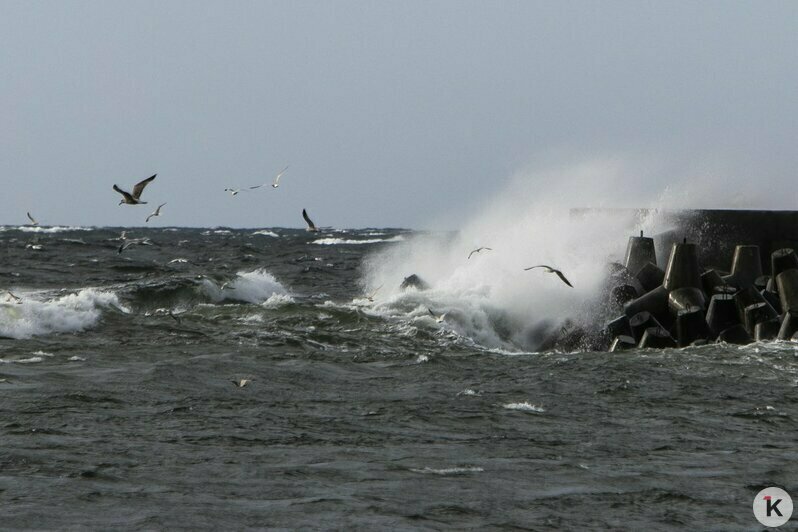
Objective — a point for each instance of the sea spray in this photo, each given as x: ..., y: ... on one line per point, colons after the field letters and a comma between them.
x: 490, y: 297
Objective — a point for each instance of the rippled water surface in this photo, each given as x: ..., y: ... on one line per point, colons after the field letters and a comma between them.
x: 119, y: 411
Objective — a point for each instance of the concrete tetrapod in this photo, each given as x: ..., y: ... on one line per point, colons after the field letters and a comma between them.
x: 639, y: 251
x: 757, y: 313
x: 787, y: 283
x: 622, y: 343
x: 650, y: 276
x: 657, y: 337
x: 683, y: 270
x: 691, y: 326
x: 767, y: 330
x: 654, y: 302
x: 789, y: 326
x: 722, y: 313
x: 746, y: 266
x: 781, y: 260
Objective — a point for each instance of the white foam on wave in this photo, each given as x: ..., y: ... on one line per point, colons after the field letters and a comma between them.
x: 448, y: 470
x: 524, y: 407
x: 264, y: 232
x: 257, y: 287
x: 350, y: 242
x: 46, y: 230
x: 70, y: 313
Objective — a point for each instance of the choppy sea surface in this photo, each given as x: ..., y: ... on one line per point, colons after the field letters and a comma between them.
x: 118, y: 408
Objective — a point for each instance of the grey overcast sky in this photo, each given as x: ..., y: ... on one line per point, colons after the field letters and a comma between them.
x: 389, y: 113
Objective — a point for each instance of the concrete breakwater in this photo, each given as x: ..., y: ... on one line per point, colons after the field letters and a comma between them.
x: 694, y: 299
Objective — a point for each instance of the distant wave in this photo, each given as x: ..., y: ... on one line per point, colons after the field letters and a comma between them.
x: 448, y: 470
x: 38, y: 229
x: 524, y: 407
x: 265, y: 232
x: 70, y: 313
x: 343, y: 241
x: 258, y: 286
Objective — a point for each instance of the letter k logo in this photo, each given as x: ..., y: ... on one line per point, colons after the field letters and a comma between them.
x: 772, y: 506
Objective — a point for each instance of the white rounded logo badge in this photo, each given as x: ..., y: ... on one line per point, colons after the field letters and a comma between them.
x: 772, y: 507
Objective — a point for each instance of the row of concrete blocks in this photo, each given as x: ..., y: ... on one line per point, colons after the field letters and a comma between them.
x: 684, y: 306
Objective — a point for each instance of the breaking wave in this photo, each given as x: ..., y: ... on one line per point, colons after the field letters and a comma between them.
x: 70, y: 313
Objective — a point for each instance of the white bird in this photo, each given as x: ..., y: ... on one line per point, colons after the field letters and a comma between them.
x: 311, y: 226
x: 439, y: 319
x: 134, y: 198
x: 240, y: 383
x: 156, y: 213
x: 32, y: 220
x: 549, y: 269
x: 134, y: 242
x: 275, y: 183
x: 235, y: 191
x: 478, y: 250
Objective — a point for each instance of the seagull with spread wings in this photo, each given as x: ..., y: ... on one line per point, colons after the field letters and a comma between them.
x: 32, y: 219
x: 156, y: 213
x: 549, y: 269
x: 438, y: 318
x: 478, y: 250
x: 275, y: 183
x: 134, y: 198
x: 311, y: 226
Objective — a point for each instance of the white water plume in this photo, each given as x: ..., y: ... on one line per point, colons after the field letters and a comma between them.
x: 489, y: 297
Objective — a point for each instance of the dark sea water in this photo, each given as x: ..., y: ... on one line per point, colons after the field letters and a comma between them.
x: 117, y: 409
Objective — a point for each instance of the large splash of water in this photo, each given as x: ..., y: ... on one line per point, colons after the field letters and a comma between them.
x: 489, y: 297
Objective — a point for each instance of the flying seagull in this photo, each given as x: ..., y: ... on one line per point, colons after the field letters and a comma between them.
x: 133, y: 199
x: 235, y: 191
x: 134, y: 242
x: 32, y: 219
x: 549, y: 269
x: 311, y: 226
x: 17, y: 299
x: 478, y: 250
x: 240, y: 383
x: 275, y: 183
x: 156, y: 213
x: 439, y: 319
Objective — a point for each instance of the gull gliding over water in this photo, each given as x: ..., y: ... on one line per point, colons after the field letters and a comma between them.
x: 134, y: 242
x: 275, y: 183
x: 311, y: 226
x: 32, y: 220
x: 549, y: 269
x: 478, y: 250
x: 439, y: 319
x: 156, y: 213
x: 133, y: 198
x: 235, y: 191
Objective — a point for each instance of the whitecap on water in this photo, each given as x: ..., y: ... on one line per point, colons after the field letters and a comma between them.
x: 448, y: 470
x: 264, y: 232
x: 69, y: 313
x: 47, y: 230
x: 257, y: 287
x: 524, y: 407
x: 349, y: 242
